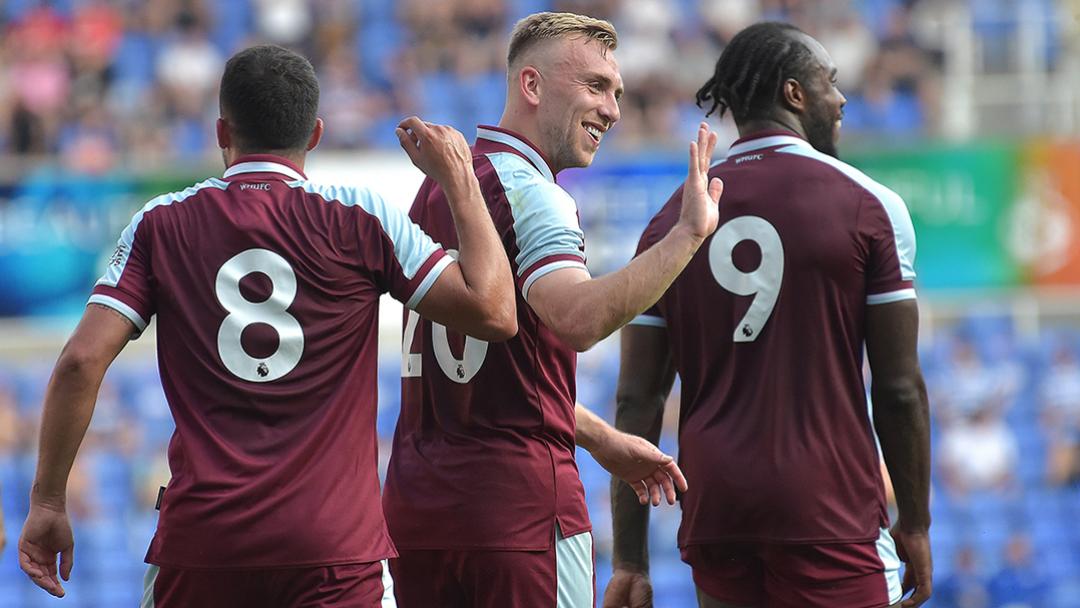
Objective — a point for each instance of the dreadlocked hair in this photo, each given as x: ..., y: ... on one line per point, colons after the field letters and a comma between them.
x: 752, y: 69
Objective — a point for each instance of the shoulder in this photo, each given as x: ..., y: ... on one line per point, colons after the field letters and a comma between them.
x: 875, y: 189
x: 350, y: 198
x: 517, y: 173
x: 170, y: 199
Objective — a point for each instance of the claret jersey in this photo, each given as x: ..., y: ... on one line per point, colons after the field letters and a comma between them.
x: 266, y: 289
x: 766, y: 328
x: 483, y: 455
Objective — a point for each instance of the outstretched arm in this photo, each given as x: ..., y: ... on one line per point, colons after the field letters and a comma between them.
x: 646, y: 374
x: 582, y: 311
x: 902, y: 422
x: 476, y: 295
x: 651, y: 473
x: 69, y: 403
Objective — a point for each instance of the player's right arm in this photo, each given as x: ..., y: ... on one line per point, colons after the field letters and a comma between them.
x: 902, y: 422
x: 646, y: 373
x: 581, y: 310
x: 69, y: 403
x: 476, y: 295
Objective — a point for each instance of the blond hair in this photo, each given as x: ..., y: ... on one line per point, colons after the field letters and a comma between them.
x: 550, y: 26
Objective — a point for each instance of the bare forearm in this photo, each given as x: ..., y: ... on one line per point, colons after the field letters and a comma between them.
x: 69, y: 405
x: 484, y: 267
x: 598, y: 307
x: 902, y: 421
x: 629, y: 518
x: 590, y: 430
x: 483, y: 262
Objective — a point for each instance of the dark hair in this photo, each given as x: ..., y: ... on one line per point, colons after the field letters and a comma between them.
x: 752, y: 69
x: 270, y: 97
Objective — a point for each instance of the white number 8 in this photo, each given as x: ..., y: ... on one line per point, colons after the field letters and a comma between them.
x: 272, y: 312
x: 763, y: 282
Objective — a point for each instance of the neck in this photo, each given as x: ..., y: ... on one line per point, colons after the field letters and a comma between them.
x: 231, y: 155
x: 775, y: 123
x: 526, y: 125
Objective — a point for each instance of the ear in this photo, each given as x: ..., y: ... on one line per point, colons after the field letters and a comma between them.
x: 224, y: 137
x: 316, y: 135
x: 793, y: 96
x: 529, y: 85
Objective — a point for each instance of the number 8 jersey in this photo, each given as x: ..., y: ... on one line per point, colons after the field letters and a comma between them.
x: 766, y: 328
x: 266, y: 289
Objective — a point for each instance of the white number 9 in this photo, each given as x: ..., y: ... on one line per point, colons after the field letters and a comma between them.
x: 763, y: 283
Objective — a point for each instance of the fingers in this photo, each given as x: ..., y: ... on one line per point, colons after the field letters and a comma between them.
x: 418, y: 127
x: 654, y: 493
x: 42, y: 573
x: 704, y: 149
x: 716, y: 189
x: 693, y: 175
x: 673, y: 471
x: 642, y: 491
x: 67, y: 560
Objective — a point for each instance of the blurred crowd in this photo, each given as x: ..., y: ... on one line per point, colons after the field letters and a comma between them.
x: 1006, y: 486
x: 100, y: 83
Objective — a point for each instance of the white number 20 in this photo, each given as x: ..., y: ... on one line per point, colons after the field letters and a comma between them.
x: 763, y: 283
x: 272, y: 312
x: 459, y: 370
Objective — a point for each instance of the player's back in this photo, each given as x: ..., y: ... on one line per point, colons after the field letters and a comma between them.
x: 766, y: 329
x: 266, y: 288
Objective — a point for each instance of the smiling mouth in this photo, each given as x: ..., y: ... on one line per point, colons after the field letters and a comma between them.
x: 594, y: 132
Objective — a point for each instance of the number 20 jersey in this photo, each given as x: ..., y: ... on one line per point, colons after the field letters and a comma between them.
x: 266, y: 290
x: 766, y: 328
x: 483, y: 454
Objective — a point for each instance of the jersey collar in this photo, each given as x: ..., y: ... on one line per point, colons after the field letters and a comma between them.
x: 265, y: 163
x: 520, y: 145
x: 766, y: 139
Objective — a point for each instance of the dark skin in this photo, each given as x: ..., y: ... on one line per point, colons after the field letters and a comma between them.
x: 901, y: 408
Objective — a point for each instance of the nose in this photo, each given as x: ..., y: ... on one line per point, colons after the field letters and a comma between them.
x: 609, y: 111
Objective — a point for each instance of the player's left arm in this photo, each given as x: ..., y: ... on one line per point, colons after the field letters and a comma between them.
x: 69, y: 404
x: 646, y: 373
x: 902, y: 423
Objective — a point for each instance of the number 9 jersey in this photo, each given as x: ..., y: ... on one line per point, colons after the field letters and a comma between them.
x: 266, y: 290
x: 766, y: 328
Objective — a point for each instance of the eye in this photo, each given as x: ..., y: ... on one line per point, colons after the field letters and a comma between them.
x: 594, y: 86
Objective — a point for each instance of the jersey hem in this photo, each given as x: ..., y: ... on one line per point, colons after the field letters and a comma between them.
x: 779, y: 541
x: 275, y: 566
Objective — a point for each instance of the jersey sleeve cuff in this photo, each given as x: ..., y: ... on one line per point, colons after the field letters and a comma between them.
x: 429, y: 279
x: 648, y: 321
x: 891, y: 296
x: 546, y: 267
x: 108, y: 301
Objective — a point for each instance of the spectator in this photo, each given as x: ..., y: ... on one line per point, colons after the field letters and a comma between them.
x: 1059, y: 394
x: 965, y: 587
x: 978, y: 453
x: 1021, y: 583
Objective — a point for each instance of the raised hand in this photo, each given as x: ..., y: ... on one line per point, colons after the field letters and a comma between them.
x: 701, y: 196
x: 441, y: 152
x: 47, y: 532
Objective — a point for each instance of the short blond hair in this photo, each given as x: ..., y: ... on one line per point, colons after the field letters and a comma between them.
x: 550, y: 26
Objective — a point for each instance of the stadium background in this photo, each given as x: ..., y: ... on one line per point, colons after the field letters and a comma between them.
x: 969, y: 108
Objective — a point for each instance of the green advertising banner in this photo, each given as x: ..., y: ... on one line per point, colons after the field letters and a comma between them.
x: 961, y: 200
